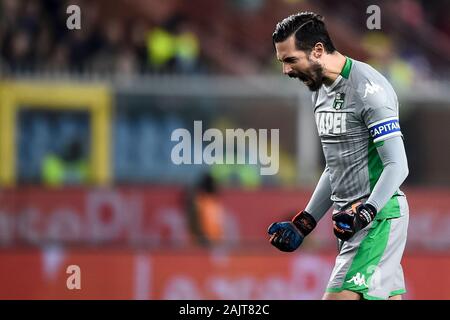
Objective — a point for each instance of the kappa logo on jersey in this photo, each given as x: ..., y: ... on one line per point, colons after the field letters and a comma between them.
x: 359, y: 280
x: 339, y: 100
x: 383, y: 129
x: 371, y: 89
x: 331, y: 122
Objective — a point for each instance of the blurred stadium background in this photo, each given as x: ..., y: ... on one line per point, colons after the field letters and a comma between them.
x: 85, y: 123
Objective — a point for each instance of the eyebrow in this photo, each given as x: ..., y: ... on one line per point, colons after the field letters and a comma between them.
x: 287, y: 59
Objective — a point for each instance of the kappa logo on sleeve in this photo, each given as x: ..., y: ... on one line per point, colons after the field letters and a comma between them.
x: 371, y: 88
x: 384, y: 129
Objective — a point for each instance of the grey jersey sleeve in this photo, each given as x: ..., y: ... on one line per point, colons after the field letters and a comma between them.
x: 320, y: 201
x: 393, y: 156
x: 380, y: 110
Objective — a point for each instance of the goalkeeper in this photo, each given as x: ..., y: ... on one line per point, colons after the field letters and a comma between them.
x: 356, y: 112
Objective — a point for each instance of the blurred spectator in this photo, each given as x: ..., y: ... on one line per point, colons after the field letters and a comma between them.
x: 161, y: 48
x: 411, y: 12
x: 206, y: 212
x: 138, y: 42
x: 246, y: 176
x: 173, y: 46
x: 385, y: 59
x: 187, y: 48
x: 59, y: 58
x: 70, y: 167
x: 237, y: 175
x: 126, y: 63
x: 18, y: 53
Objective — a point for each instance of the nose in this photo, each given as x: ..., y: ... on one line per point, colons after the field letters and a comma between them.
x: 286, y: 68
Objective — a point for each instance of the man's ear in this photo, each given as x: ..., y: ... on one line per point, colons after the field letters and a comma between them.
x: 318, y: 50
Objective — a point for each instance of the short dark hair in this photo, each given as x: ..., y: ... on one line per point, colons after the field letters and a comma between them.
x: 308, y: 28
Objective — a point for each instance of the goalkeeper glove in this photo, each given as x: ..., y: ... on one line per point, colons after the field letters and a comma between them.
x: 287, y: 236
x: 349, y: 221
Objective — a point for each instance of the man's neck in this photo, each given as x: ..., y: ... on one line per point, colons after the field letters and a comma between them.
x: 333, y: 64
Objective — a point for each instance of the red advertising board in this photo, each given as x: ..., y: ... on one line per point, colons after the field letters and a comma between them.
x: 156, y: 216
x: 175, y: 274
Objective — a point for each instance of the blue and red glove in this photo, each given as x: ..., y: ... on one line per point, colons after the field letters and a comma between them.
x: 349, y: 221
x: 287, y: 236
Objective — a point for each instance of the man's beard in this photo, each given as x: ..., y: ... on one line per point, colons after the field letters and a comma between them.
x: 313, y: 79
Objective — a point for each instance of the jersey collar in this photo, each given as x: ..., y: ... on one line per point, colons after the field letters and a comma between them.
x: 345, y: 72
x: 347, y: 67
